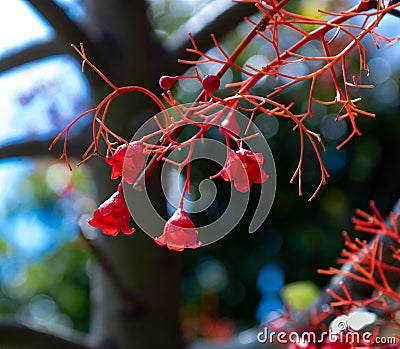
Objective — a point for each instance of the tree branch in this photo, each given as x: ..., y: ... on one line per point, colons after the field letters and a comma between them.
x: 68, y: 31
x: 33, y: 53
x: 17, y: 335
x: 133, y: 304
x: 219, y: 21
x: 34, y: 148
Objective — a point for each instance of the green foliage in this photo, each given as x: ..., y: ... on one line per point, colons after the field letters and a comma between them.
x: 55, y: 274
x: 298, y: 295
x: 59, y: 277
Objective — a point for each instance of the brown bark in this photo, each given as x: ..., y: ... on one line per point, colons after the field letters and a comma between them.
x: 122, y: 28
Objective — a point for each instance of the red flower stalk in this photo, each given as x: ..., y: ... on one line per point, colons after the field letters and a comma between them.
x: 244, y: 168
x: 127, y: 161
x: 112, y: 216
x: 179, y: 232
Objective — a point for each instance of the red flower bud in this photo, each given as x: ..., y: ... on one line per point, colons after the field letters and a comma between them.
x: 166, y: 82
x: 211, y: 83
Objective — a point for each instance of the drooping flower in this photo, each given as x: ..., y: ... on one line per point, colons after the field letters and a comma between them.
x: 112, y: 216
x: 127, y: 161
x: 244, y: 168
x: 179, y: 232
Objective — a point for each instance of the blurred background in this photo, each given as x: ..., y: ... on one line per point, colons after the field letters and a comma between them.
x: 234, y: 284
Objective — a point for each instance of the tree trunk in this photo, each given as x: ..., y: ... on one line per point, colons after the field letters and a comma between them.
x: 145, y: 268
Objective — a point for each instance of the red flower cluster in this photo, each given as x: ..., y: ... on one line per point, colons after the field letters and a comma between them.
x: 127, y: 161
x: 244, y: 168
x: 112, y: 216
x: 179, y: 232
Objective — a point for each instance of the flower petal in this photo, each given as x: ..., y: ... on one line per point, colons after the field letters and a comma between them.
x: 240, y: 177
x: 95, y: 222
x: 255, y: 172
x: 108, y: 206
x: 125, y: 229
x: 112, y: 216
x: 117, y: 161
x: 133, y: 162
x: 179, y: 232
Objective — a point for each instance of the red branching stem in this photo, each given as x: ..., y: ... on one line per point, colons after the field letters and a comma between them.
x: 369, y: 262
x: 268, y: 28
x: 282, y: 57
x: 153, y: 163
x: 271, y: 22
x: 85, y: 60
x: 102, y: 109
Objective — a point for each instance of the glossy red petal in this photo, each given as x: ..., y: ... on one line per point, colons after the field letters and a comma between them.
x: 240, y: 176
x: 225, y: 174
x: 111, y: 227
x: 125, y: 229
x: 260, y: 176
x: 181, y: 219
x: 133, y: 162
x: 95, y: 222
x: 179, y: 233
x: 117, y: 161
x: 107, y: 206
x: 255, y: 171
x: 112, y: 216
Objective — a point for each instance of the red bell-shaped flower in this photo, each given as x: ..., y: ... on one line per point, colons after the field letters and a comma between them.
x: 112, y: 216
x: 127, y: 161
x: 179, y: 232
x: 244, y: 168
